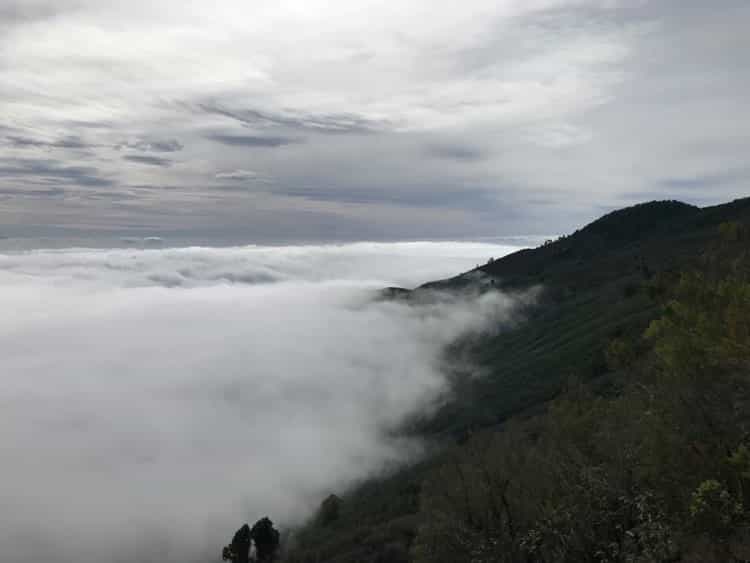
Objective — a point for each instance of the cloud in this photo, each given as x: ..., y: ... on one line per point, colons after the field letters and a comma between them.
x: 403, y: 263
x: 454, y: 198
x: 184, y: 391
x: 33, y: 192
x: 552, y: 108
x: 455, y: 152
x: 64, y: 143
x: 74, y: 142
x: 46, y: 170
x: 255, y: 141
x: 150, y: 160
x: 164, y: 145
x: 703, y: 181
x: 320, y: 123
x: 18, y: 12
x: 240, y: 176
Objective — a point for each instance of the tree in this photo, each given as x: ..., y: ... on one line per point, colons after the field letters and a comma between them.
x: 239, y: 550
x: 329, y: 510
x: 266, y: 539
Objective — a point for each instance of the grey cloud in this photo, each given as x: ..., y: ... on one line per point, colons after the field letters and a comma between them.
x: 236, y: 175
x: 242, y: 176
x: 74, y: 142
x: 15, y: 12
x: 257, y: 141
x: 362, y: 57
x: 148, y: 160
x: 584, y: 103
x: 701, y: 181
x: 89, y: 124
x: 52, y: 170
x: 77, y: 143
x: 320, y: 123
x: 114, y: 196
x: 165, y: 145
x: 478, y: 199
x: 33, y: 192
x: 64, y: 143
x: 459, y: 152
x: 502, y: 49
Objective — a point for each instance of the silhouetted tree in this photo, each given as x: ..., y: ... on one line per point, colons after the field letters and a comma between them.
x: 239, y: 550
x: 329, y: 510
x: 266, y: 539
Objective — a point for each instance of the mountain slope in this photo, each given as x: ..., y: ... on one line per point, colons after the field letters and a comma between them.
x: 599, y: 283
x: 596, y: 285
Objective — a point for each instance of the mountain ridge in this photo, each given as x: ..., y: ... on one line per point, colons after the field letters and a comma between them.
x: 637, y: 224
x: 601, y: 284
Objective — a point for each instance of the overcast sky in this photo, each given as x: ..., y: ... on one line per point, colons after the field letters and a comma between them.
x: 281, y: 120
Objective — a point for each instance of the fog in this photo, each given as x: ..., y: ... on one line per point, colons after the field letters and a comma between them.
x: 151, y: 401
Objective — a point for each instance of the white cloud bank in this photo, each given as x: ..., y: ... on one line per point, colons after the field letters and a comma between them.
x: 149, y: 404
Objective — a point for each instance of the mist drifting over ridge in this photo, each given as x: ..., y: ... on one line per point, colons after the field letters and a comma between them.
x: 154, y: 399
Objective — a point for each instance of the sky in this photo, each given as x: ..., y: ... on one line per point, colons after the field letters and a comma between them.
x: 342, y: 120
x: 154, y: 400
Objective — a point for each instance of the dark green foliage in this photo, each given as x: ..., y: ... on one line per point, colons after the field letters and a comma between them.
x: 613, y: 424
x: 640, y: 221
x: 239, y: 550
x: 379, y: 517
x: 329, y: 510
x: 659, y: 472
x: 590, y: 290
x: 266, y: 540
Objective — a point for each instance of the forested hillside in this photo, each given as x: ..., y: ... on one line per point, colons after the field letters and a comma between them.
x: 611, y: 425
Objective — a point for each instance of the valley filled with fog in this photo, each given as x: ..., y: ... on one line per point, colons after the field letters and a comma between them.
x: 153, y: 400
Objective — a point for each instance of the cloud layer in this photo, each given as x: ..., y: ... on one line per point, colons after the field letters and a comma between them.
x: 366, y: 119
x: 152, y: 400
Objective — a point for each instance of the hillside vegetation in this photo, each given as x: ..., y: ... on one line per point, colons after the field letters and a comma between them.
x: 611, y: 425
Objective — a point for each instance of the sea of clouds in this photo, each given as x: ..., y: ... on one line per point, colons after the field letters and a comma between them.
x: 151, y: 401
